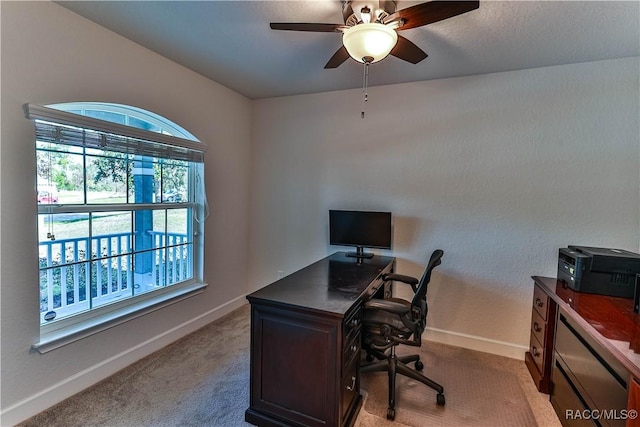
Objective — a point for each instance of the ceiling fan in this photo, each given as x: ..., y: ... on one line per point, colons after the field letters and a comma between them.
x: 369, y: 32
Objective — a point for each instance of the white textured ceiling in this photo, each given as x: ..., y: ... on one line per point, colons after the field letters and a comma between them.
x: 231, y: 42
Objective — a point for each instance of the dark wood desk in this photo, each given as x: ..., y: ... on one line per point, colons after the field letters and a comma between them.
x: 305, y: 342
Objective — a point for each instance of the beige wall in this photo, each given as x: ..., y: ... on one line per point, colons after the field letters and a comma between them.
x: 50, y: 55
x: 497, y: 170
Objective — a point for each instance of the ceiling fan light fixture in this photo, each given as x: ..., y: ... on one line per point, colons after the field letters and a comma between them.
x: 373, y: 40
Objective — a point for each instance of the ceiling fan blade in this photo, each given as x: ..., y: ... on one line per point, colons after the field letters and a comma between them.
x: 388, y: 6
x: 347, y: 11
x: 408, y: 51
x: 430, y: 12
x: 303, y: 26
x: 338, y: 58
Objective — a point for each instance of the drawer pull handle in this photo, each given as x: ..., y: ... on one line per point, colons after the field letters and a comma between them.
x: 536, y: 327
x: 354, y: 348
x: 354, y: 322
x: 535, y: 351
x: 353, y: 384
x: 539, y: 302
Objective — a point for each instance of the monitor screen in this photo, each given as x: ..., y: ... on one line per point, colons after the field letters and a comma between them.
x: 360, y: 228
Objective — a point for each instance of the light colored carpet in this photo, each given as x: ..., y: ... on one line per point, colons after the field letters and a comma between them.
x: 477, y: 393
x: 202, y: 380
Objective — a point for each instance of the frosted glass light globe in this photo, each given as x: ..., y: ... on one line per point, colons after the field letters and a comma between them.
x: 372, y: 40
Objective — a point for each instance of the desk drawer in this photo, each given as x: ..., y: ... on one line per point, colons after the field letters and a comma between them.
x: 538, y: 327
x: 352, y: 324
x: 351, y: 350
x: 350, y: 388
x: 541, y: 302
x: 566, y: 402
x: 537, y: 352
x: 375, y: 290
x: 601, y: 383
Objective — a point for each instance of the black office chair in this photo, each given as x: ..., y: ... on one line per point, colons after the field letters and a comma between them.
x: 392, y: 321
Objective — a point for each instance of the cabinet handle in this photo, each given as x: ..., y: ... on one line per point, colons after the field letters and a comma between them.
x: 539, y: 302
x: 536, y: 327
x: 354, y: 348
x: 353, y: 384
x: 354, y: 322
x: 535, y: 351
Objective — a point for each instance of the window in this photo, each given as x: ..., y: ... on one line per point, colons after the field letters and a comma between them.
x: 121, y: 204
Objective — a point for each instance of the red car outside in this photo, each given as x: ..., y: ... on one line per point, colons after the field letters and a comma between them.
x: 47, y: 198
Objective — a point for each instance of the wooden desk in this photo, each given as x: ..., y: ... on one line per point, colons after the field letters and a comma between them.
x: 593, y: 353
x: 305, y: 342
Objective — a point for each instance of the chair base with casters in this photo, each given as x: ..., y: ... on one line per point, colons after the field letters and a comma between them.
x: 398, y: 365
x: 390, y: 322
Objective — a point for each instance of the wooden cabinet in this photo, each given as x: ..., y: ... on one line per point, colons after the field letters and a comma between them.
x: 295, y: 376
x: 595, y: 377
x: 539, y: 357
x: 306, y: 341
x: 596, y: 364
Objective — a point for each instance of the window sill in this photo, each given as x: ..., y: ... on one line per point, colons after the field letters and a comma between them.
x: 58, y: 338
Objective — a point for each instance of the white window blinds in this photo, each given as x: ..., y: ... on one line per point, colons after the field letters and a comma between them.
x: 61, y: 127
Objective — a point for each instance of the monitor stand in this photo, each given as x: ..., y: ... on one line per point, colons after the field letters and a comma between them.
x: 360, y: 253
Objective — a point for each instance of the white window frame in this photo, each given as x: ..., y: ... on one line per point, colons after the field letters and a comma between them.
x: 172, y: 137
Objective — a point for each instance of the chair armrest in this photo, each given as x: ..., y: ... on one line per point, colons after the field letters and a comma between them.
x: 402, y: 279
x: 386, y: 305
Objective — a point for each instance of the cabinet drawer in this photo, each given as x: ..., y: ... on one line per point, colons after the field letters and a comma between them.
x: 537, y: 352
x: 565, y: 400
x: 351, y: 324
x: 351, y: 350
x: 538, y: 326
x: 601, y: 383
x: 350, y: 387
x: 541, y: 302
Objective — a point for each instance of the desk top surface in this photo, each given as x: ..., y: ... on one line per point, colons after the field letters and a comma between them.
x: 330, y: 285
x: 609, y: 320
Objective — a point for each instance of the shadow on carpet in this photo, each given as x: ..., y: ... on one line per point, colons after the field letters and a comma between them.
x: 476, y: 394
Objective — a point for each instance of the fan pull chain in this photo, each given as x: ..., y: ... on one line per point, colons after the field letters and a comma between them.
x: 365, y: 86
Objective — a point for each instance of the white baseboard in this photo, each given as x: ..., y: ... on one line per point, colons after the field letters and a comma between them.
x: 473, y: 342
x: 58, y: 392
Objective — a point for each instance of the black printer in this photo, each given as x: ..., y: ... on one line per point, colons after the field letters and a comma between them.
x: 600, y: 271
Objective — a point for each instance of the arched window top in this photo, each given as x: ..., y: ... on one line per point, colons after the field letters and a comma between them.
x: 126, y: 115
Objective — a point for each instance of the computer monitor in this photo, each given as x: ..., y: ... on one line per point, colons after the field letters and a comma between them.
x: 361, y: 229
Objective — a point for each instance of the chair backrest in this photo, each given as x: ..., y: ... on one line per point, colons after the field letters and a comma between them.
x: 421, y: 292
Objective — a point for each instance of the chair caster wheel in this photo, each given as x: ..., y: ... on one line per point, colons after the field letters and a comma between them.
x: 440, y: 399
x: 419, y: 365
x: 391, y: 414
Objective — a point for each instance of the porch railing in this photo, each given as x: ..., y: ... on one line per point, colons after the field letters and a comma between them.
x: 78, y: 274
